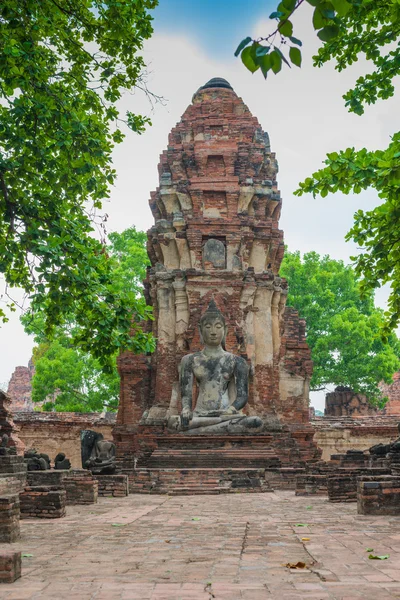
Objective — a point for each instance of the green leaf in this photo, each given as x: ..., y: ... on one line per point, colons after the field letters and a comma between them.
x: 262, y: 50
x: 265, y: 64
x: 301, y: 525
x: 118, y: 524
x: 276, y: 15
x: 328, y: 33
x: 318, y: 19
x: 295, y: 56
x: 342, y: 7
x: 242, y: 45
x: 195, y: 518
x: 377, y: 557
x: 369, y: 550
x: 286, y: 29
x: 289, y: 4
x: 275, y: 61
x: 26, y: 555
x: 296, y: 41
x: 248, y: 59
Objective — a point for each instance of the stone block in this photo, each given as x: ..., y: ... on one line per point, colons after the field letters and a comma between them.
x: 9, y: 518
x: 311, y: 485
x: 42, y: 502
x: 10, y: 566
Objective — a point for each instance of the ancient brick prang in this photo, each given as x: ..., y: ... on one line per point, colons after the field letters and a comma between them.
x: 216, y: 235
x: 20, y: 388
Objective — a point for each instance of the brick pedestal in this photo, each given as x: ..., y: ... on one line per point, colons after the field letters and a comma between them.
x: 378, y: 495
x: 10, y: 566
x: 81, y: 487
x: 42, y: 502
x: 112, y: 485
x: 9, y: 519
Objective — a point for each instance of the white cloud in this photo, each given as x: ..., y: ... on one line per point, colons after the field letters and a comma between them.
x: 304, y: 113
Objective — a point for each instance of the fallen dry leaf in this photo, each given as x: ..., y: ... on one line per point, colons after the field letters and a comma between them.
x: 298, y: 565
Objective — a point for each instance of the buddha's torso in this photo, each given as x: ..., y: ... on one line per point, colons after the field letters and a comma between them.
x: 213, y: 375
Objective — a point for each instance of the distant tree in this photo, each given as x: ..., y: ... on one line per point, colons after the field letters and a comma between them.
x: 350, y: 29
x: 343, y: 329
x: 63, y: 68
x: 68, y: 379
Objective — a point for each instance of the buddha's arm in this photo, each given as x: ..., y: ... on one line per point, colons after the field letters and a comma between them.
x: 186, y: 384
x: 242, y: 383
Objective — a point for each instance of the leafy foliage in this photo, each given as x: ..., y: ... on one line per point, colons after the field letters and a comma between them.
x: 67, y: 379
x: 342, y: 327
x: 63, y: 68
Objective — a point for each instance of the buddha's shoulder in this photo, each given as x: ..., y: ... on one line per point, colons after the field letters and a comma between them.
x: 189, y: 358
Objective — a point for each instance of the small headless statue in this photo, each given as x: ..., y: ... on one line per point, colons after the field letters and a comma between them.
x: 222, y: 379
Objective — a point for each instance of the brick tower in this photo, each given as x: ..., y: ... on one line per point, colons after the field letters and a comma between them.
x: 216, y: 235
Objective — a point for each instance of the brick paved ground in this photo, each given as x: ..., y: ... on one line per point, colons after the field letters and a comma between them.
x: 205, y: 547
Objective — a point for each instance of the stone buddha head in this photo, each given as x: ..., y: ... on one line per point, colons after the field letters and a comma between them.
x: 212, y: 327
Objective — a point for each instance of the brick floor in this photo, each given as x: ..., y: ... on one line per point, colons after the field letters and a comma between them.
x: 208, y: 547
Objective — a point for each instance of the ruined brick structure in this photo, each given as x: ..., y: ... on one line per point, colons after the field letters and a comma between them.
x: 344, y: 402
x: 216, y: 235
x: 392, y: 391
x: 20, y: 388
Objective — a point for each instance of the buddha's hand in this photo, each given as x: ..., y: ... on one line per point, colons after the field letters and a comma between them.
x: 231, y: 411
x: 186, y: 416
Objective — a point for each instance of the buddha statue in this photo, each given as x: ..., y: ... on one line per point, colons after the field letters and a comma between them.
x: 98, y: 455
x: 222, y: 379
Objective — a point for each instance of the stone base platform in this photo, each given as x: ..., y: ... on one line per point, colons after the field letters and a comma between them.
x: 158, y: 461
x: 181, y: 482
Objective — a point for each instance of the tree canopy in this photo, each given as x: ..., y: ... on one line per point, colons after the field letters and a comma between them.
x: 63, y: 68
x: 343, y: 329
x: 68, y: 379
x: 349, y: 29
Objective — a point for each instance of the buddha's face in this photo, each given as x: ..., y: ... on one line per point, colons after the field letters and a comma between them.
x: 213, y: 331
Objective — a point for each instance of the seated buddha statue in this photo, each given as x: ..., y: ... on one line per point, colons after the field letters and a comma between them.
x: 222, y: 379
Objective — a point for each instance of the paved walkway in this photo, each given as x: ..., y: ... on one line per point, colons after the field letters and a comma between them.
x: 204, y: 547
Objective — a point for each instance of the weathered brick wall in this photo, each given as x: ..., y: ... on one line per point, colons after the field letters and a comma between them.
x: 378, y: 495
x: 311, y: 485
x: 112, y: 485
x: 392, y: 391
x: 9, y: 518
x: 42, y: 502
x: 336, y: 435
x: 344, y: 402
x: 52, y: 433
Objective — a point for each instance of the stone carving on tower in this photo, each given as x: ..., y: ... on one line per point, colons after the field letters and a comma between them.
x: 216, y: 238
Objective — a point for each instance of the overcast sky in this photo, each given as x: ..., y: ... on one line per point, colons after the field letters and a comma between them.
x: 302, y: 110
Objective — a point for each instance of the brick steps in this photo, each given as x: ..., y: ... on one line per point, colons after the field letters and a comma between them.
x: 197, y: 481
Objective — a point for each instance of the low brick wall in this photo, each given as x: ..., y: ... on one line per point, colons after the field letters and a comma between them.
x: 283, y: 478
x: 10, y: 566
x: 81, y: 487
x: 52, y: 478
x: 9, y: 519
x: 378, y: 495
x: 311, y: 485
x: 112, y: 485
x: 342, y: 486
x: 42, y: 502
x: 54, y: 432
